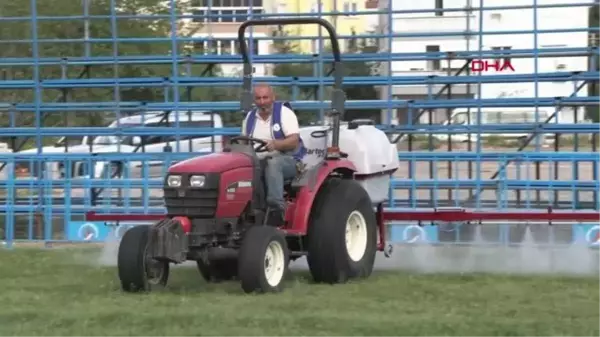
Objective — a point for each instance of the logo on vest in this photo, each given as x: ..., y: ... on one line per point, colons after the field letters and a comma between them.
x: 320, y: 153
x: 276, y: 127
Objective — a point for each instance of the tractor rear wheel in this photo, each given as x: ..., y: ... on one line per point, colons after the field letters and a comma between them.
x: 137, y: 270
x: 342, y: 233
x: 263, y: 260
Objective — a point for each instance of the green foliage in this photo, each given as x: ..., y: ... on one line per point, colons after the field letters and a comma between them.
x: 135, y: 30
x: 98, y: 29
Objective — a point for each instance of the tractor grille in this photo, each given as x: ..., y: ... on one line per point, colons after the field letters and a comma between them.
x: 193, y: 202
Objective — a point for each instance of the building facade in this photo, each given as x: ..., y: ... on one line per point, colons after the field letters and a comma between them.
x: 219, y: 20
x: 419, y: 29
x: 345, y: 24
x: 219, y: 26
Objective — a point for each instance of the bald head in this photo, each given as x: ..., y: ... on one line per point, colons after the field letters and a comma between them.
x: 264, y: 97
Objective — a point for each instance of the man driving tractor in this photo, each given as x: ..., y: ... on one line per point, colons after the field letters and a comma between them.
x: 277, y: 124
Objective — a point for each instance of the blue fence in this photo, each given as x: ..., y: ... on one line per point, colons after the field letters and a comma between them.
x: 69, y: 70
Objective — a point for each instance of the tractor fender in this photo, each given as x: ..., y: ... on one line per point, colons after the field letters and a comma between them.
x: 311, y: 185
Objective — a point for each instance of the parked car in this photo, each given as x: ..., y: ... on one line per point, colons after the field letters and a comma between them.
x: 158, y: 143
x: 131, y: 144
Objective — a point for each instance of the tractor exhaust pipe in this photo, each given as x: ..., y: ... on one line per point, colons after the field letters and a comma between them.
x: 339, y: 97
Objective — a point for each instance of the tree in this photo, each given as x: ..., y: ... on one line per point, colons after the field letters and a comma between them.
x: 353, y: 92
x: 98, y: 29
x: 358, y: 92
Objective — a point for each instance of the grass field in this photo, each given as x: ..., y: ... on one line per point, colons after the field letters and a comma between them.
x: 54, y: 292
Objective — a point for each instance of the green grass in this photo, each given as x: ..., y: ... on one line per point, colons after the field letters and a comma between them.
x: 54, y: 292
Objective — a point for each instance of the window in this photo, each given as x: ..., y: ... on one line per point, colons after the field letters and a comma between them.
x: 199, y: 13
x: 314, y: 7
x: 227, y: 16
x: 215, y: 47
x: 226, y: 48
x: 206, y: 47
x: 282, y: 8
x: 354, y: 7
x: 146, y: 140
x: 227, y: 3
x: 214, y: 16
x: 199, y: 47
x: 351, y: 44
x: 212, y: 46
x: 192, y: 124
x: 254, y: 50
x: 507, y: 58
x: 226, y: 10
x: 433, y: 64
x: 240, y: 15
x: 439, y: 4
x: 72, y: 140
x: 156, y: 139
x: 460, y: 118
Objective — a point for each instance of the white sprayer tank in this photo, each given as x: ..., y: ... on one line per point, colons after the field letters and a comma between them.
x: 367, y: 147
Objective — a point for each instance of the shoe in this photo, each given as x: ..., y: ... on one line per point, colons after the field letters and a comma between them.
x: 275, y: 217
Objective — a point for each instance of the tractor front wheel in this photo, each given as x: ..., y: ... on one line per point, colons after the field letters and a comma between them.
x: 263, y: 260
x: 138, y: 271
x: 342, y: 233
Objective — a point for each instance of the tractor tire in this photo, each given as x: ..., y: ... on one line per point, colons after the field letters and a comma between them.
x: 263, y: 260
x: 137, y: 271
x: 342, y: 233
x: 216, y: 271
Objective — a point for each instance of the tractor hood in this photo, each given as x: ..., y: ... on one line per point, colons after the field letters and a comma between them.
x: 212, y: 163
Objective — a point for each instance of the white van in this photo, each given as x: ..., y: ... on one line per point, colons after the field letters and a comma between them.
x: 130, y: 144
x: 158, y: 143
x: 507, y: 116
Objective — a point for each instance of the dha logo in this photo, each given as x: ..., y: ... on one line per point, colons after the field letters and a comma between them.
x: 485, y: 65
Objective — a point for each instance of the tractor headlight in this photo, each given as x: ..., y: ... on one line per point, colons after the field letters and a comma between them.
x: 197, y: 181
x: 174, y: 181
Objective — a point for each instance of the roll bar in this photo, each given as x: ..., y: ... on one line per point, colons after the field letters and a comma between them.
x: 338, y: 98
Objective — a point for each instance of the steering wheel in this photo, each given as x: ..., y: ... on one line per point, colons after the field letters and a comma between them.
x: 261, y: 148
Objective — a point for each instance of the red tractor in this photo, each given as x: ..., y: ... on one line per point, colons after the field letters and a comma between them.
x: 216, y: 205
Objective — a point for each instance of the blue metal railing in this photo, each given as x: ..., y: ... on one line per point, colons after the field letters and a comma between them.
x: 302, y: 58
x: 43, y: 204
